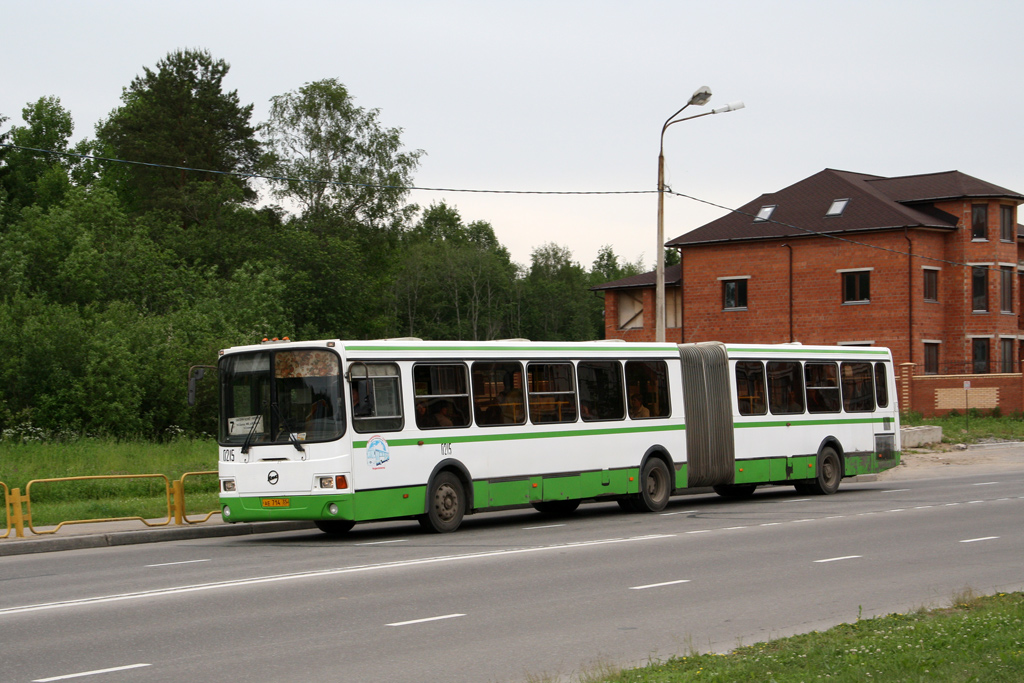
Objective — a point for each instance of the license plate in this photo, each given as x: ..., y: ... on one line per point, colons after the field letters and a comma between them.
x: 275, y: 502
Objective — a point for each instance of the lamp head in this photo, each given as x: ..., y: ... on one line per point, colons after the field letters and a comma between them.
x: 700, y: 96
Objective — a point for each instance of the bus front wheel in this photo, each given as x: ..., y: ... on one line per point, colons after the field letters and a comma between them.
x: 446, y: 504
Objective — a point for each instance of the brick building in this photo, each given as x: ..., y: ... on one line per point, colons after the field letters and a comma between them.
x: 928, y: 265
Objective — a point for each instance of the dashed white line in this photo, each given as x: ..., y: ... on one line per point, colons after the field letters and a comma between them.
x: 983, y: 538
x: 973, y: 502
x: 659, y: 585
x: 837, y: 559
x: 169, y: 564
x: 797, y: 521
x: 734, y: 528
x: 895, y: 490
x: 543, y: 526
x: 397, y: 540
x: 923, y: 507
x: 275, y: 578
x: 985, y: 483
x: 681, y: 512
x: 700, y: 531
x: 423, y: 621
x: 90, y: 673
x: 797, y: 500
x: 771, y: 524
x: 898, y: 510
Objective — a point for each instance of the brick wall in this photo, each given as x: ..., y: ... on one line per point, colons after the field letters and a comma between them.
x: 933, y: 395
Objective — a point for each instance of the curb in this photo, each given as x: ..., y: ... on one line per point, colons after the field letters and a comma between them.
x: 30, y: 546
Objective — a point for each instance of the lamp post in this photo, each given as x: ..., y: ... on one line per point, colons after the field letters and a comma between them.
x: 699, y: 97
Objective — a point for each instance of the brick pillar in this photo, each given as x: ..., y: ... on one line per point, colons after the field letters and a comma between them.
x: 906, y: 378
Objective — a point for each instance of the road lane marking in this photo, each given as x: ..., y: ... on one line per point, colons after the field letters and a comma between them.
x: 734, y: 528
x: 923, y: 507
x: 398, y: 540
x: 423, y: 621
x: 318, y: 573
x: 771, y: 524
x: 797, y: 521
x: 983, y: 538
x: 545, y: 526
x: 985, y: 483
x: 658, y: 585
x: 973, y: 502
x: 700, y: 531
x: 797, y: 500
x: 169, y: 564
x: 90, y: 673
x: 837, y: 559
x: 898, y: 510
x: 681, y: 512
x: 895, y: 490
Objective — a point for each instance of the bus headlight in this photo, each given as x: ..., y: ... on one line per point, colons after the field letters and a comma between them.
x: 326, y: 482
x: 228, y: 484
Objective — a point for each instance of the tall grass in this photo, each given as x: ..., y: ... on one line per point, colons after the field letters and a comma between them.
x: 975, y: 639
x: 54, y: 502
x: 971, y: 427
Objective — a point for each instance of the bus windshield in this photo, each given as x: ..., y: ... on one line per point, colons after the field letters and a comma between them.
x: 270, y: 397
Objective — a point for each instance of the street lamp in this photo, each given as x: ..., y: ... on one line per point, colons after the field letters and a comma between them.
x: 700, y: 97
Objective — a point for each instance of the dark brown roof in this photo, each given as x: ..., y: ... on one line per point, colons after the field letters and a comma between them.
x: 642, y: 280
x: 875, y: 203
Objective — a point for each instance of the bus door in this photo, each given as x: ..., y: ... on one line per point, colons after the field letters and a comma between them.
x: 710, y: 448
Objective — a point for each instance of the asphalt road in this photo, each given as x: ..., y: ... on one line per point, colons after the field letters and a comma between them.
x: 511, y: 594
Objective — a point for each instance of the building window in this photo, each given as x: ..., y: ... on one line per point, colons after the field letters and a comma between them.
x: 673, y: 307
x: 631, y: 310
x: 979, y: 221
x: 838, y: 205
x: 857, y: 286
x: 1006, y: 223
x: 765, y: 213
x: 979, y: 289
x: 1006, y: 361
x: 931, y: 358
x: 734, y: 294
x: 931, y: 284
x: 979, y: 355
x: 1006, y: 289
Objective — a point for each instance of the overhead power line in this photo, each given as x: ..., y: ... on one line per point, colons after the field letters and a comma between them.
x: 261, y: 176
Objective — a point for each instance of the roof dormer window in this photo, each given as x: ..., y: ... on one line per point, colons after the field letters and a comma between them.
x: 765, y: 213
x: 837, y: 208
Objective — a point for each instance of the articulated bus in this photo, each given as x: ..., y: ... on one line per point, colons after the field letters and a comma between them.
x: 340, y: 432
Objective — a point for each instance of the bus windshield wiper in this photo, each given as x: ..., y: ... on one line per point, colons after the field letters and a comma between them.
x: 247, y: 444
x: 287, y: 425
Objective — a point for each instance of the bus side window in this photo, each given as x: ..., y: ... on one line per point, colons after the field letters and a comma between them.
x: 750, y: 391
x: 785, y: 387
x: 822, y: 381
x: 600, y: 384
x: 647, y: 386
x: 498, y: 393
x: 376, y: 398
x: 881, y: 386
x: 858, y: 392
x: 552, y: 392
x: 442, y: 395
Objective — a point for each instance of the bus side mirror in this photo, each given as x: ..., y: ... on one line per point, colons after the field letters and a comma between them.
x: 195, y: 373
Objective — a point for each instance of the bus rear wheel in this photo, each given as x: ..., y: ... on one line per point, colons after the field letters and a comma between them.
x: 830, y: 473
x: 335, y: 527
x: 655, y: 486
x: 556, y: 508
x: 446, y: 504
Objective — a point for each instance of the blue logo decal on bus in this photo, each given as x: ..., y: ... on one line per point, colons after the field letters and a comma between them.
x: 377, y: 452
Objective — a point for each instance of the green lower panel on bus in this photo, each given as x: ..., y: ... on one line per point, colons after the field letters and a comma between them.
x: 755, y: 471
x: 265, y: 508
x: 384, y: 503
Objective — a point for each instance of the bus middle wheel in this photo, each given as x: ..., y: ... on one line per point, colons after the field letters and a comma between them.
x: 446, y: 504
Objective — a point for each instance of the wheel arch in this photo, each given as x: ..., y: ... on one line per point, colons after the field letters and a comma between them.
x: 457, y: 468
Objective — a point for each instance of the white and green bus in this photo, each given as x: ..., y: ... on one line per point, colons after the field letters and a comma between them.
x: 340, y: 432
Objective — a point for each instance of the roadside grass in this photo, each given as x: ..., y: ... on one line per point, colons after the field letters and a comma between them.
x: 972, y: 428
x: 54, y: 502
x: 974, y: 639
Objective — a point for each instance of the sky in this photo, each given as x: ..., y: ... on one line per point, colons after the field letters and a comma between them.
x: 571, y: 96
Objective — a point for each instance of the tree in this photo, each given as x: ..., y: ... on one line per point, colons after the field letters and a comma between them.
x: 35, y: 177
x: 557, y: 303
x: 179, y: 115
x: 336, y: 161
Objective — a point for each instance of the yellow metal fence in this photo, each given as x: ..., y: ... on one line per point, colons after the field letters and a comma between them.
x: 18, y: 505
